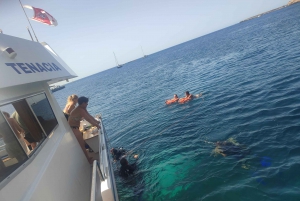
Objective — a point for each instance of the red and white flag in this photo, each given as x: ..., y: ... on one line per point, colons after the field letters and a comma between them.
x: 42, y: 16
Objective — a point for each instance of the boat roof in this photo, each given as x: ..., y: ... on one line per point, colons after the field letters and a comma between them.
x: 24, y: 61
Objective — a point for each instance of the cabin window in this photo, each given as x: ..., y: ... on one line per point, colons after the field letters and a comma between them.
x: 11, y: 152
x: 43, y: 112
x: 24, y: 125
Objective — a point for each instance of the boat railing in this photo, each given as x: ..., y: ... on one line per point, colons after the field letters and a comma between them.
x: 97, y: 177
x: 105, y: 166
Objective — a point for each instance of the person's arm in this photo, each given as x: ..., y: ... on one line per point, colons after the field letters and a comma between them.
x: 14, y: 126
x: 93, y: 119
x: 66, y: 109
x: 89, y: 118
x: 18, y: 127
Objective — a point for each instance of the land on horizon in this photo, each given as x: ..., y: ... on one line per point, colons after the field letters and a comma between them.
x: 258, y: 15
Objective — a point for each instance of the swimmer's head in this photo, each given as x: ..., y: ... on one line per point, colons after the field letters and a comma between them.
x: 123, y: 162
x: 187, y: 93
x: 136, y: 156
x: 175, y: 96
x: 113, y: 151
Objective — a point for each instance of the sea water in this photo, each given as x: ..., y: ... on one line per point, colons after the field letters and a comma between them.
x: 249, y: 75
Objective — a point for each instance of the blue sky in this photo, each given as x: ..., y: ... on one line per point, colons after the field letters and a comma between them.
x: 89, y: 31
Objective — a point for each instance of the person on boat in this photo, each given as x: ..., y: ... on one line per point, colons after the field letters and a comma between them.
x: 71, y: 103
x: 76, y: 116
x: 17, y: 130
x: 12, y: 146
x: 126, y: 169
x: 30, y: 141
x: 173, y: 100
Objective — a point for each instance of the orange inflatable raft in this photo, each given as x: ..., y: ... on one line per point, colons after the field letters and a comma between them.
x: 185, y: 99
x: 173, y: 100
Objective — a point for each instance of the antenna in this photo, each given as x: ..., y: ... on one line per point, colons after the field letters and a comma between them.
x: 28, y: 20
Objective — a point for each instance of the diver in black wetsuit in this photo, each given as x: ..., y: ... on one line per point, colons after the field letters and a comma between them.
x: 126, y: 169
x: 227, y: 148
x: 117, y: 153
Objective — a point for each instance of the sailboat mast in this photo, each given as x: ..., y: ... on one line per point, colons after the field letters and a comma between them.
x: 142, y: 51
x: 116, y: 59
x: 118, y: 65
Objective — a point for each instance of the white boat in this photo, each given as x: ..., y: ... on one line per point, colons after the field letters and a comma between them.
x: 55, y: 88
x: 117, y: 63
x: 56, y: 169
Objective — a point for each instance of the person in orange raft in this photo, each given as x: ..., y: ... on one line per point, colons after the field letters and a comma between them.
x: 173, y: 100
x: 188, y: 97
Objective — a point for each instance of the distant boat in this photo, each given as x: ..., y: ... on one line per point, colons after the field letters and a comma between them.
x: 143, y: 52
x: 118, y: 65
x: 56, y: 88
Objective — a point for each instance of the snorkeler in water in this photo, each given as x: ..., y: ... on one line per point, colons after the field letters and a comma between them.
x: 117, y: 153
x: 126, y: 168
x: 188, y: 97
x: 230, y: 148
x: 120, y: 153
x: 173, y: 100
x: 185, y: 99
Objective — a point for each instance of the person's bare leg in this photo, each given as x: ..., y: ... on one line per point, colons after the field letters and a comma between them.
x: 81, y: 142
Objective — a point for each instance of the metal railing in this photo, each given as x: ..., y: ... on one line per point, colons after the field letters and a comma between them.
x: 96, y: 173
x: 110, y: 168
x: 103, y: 170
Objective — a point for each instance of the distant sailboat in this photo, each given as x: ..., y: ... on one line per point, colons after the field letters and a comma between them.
x: 118, y: 65
x: 143, y: 52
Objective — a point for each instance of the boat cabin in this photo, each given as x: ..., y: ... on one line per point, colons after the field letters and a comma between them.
x: 40, y: 158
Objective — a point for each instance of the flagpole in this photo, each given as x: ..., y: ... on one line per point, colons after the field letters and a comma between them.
x: 28, y: 20
x: 30, y: 34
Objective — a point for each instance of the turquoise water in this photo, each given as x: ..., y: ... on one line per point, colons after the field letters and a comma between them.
x: 249, y: 75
